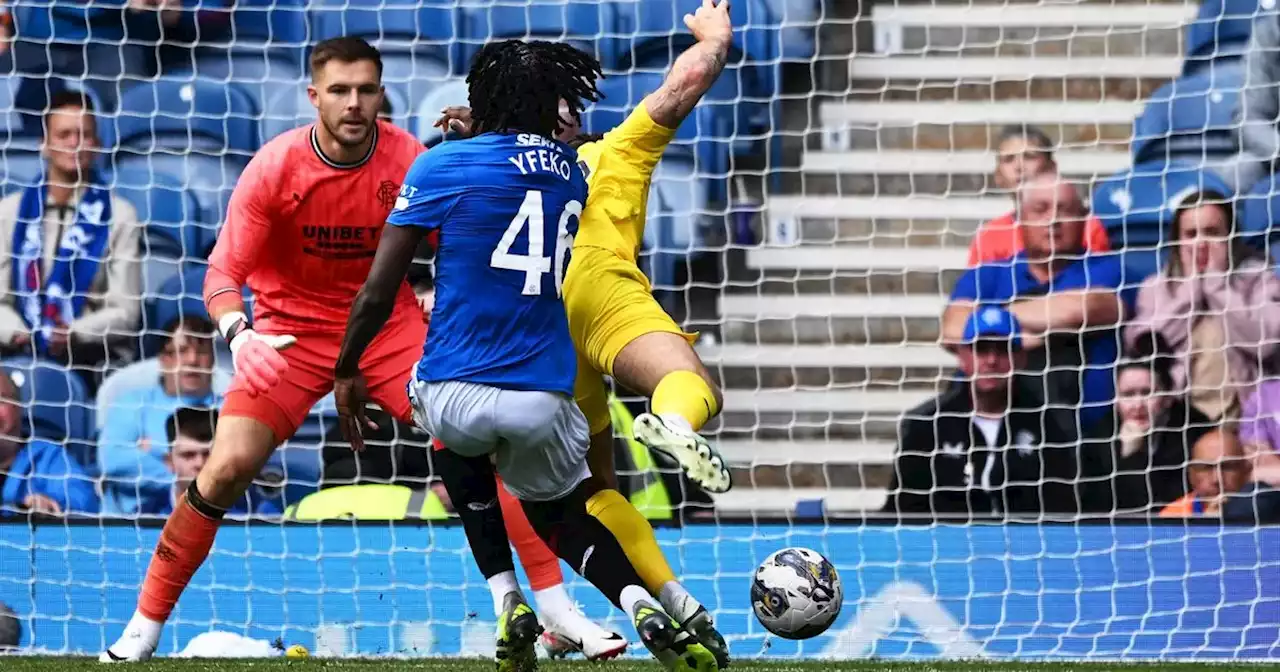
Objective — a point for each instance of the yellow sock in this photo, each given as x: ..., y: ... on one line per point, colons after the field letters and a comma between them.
x: 635, y: 535
x: 686, y: 394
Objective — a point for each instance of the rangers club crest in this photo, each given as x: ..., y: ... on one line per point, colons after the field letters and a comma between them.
x: 387, y: 192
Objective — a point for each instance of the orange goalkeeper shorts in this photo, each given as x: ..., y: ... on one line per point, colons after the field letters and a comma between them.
x: 387, y: 366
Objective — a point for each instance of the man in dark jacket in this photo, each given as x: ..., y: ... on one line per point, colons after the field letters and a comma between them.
x: 988, y: 445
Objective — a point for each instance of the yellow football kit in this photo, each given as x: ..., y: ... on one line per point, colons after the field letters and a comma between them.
x: 608, y: 300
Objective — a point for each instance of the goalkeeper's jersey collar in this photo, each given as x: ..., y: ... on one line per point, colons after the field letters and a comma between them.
x: 315, y: 147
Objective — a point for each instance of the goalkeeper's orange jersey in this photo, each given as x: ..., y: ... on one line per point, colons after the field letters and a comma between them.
x: 302, y: 230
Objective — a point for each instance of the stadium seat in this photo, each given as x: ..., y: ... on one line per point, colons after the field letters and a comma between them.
x: 20, y: 166
x: 1191, y: 118
x: 577, y: 22
x: 707, y: 133
x: 142, y: 374
x: 209, y: 177
x: 677, y: 200
x: 57, y: 404
x: 654, y: 31
x: 1220, y: 33
x: 179, y: 296
x: 1138, y: 205
x: 170, y: 212
x: 451, y: 92
x: 1258, y: 213
x: 184, y: 114
x: 426, y: 27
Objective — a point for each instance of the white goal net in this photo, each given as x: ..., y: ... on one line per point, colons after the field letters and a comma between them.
x: 987, y: 287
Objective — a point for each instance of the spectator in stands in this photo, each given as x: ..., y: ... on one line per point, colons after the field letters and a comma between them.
x: 990, y: 445
x: 1069, y: 303
x: 190, y: 439
x: 1134, y: 461
x: 70, y: 273
x: 133, y: 451
x: 1022, y: 152
x: 1218, y: 469
x: 36, y: 475
x: 1260, y: 431
x: 1216, y: 303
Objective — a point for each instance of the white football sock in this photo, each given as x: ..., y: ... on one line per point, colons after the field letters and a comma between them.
x: 554, y: 603
x: 501, y: 585
x: 678, y: 601
x: 677, y: 422
x: 632, y: 596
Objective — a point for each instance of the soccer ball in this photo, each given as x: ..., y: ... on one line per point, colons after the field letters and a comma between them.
x: 796, y: 593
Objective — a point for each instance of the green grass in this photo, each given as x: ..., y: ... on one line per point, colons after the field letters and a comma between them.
x: 21, y: 664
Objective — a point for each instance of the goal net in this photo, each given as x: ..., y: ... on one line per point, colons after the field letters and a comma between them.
x: 1034, y: 432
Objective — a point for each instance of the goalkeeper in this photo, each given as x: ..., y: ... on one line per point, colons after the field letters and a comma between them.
x: 619, y: 329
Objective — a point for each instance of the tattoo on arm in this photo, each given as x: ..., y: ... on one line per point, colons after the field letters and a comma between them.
x: 374, y: 303
x: 690, y: 78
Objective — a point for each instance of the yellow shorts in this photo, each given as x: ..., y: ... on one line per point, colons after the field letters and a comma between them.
x: 610, y: 303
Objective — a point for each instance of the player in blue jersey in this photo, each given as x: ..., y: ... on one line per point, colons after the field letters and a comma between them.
x: 496, y: 380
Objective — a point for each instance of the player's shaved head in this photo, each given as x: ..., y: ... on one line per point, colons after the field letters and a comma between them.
x: 532, y: 87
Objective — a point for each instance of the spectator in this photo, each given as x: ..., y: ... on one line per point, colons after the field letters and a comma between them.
x: 37, y: 476
x: 190, y: 439
x: 1022, y: 152
x: 1215, y: 303
x: 1260, y: 432
x: 990, y: 445
x: 70, y: 276
x: 1217, y: 471
x: 134, y: 447
x: 1069, y: 303
x: 10, y: 629
x: 1136, y: 459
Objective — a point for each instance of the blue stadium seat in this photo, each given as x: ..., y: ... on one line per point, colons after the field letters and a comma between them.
x: 170, y: 212
x: 1220, y: 32
x: 172, y: 216
x: 1137, y: 206
x: 708, y: 133
x: 578, y: 22
x: 1191, y: 118
x: 1258, y: 213
x: 394, y: 26
x: 57, y: 404
x: 182, y: 113
x: 409, y: 78
x: 653, y: 31
x: 209, y: 177
x: 180, y: 296
x: 20, y: 167
x: 677, y: 200
x: 451, y: 92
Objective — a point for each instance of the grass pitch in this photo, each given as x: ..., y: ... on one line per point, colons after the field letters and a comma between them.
x: 24, y: 664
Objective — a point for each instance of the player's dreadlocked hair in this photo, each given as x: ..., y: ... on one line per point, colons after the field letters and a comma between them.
x: 518, y: 86
x: 583, y: 138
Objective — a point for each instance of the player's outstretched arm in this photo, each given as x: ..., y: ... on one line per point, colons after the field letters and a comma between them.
x: 695, y: 70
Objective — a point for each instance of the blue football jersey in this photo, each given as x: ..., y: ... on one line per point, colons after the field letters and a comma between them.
x: 507, y: 208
